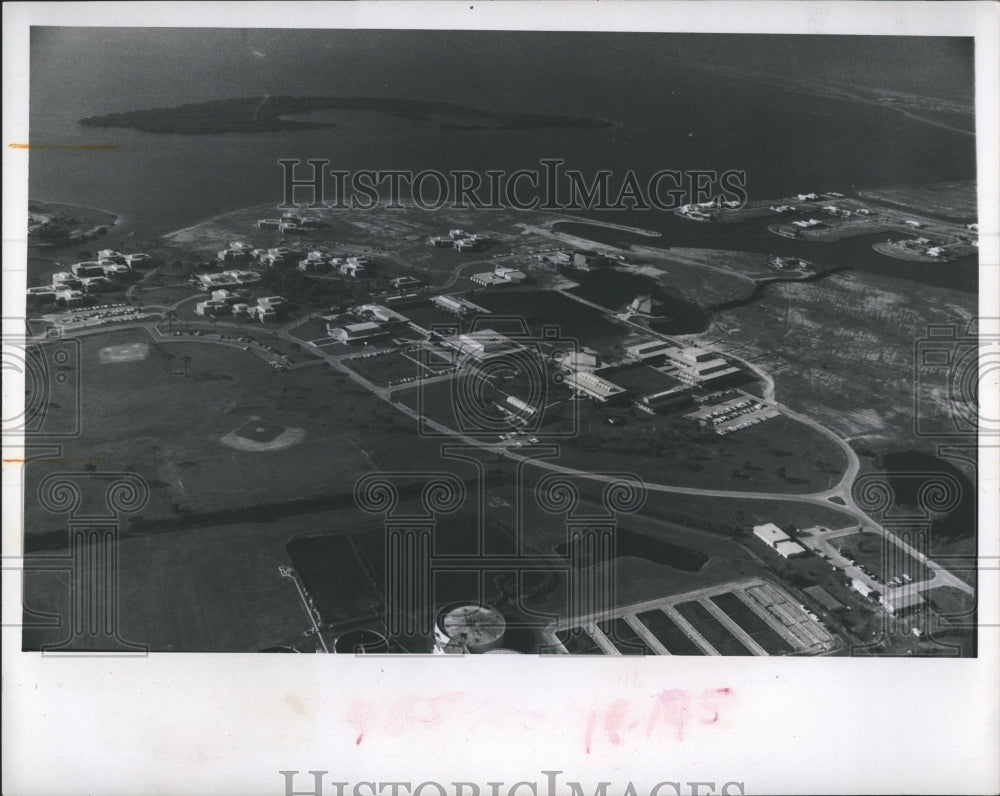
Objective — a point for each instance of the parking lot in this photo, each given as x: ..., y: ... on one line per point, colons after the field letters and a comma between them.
x: 733, y: 414
x: 752, y: 617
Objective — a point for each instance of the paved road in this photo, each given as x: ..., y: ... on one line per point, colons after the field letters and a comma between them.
x: 288, y: 572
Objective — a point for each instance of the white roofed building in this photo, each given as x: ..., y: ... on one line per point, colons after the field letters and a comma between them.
x: 594, y: 386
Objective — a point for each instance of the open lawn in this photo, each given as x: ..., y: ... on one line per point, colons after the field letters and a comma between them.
x: 163, y: 417
x: 577, y: 322
x: 726, y: 513
x: 196, y: 590
x: 779, y: 455
x: 474, y: 404
x: 261, y: 339
x: 392, y: 367
x: 953, y: 607
x: 311, y: 328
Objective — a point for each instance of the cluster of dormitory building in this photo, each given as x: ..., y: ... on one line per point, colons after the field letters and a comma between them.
x: 459, y: 240
x: 225, y: 302
x: 291, y: 224
x: 656, y: 375
x: 282, y: 257
x: 86, y: 278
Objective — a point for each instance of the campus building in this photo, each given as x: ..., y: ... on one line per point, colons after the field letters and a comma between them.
x: 111, y: 256
x: 594, y: 387
x: 457, y: 305
x: 481, y: 344
x: 227, y: 279
x: 353, y: 266
x: 90, y: 268
x: 137, y: 259
x: 696, y: 366
x: 901, y: 601
x: 585, y: 261
x: 268, y: 308
x: 358, y: 332
x: 501, y: 275
x: 234, y: 253
x: 211, y: 308
x: 778, y: 540
x: 405, y: 282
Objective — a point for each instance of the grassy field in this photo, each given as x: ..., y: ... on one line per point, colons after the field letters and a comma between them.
x: 310, y: 329
x: 167, y: 428
x: 390, y: 367
x: 465, y: 403
x: 683, y: 271
x: 240, y: 603
x: 577, y: 322
x: 779, y: 455
x: 203, y: 589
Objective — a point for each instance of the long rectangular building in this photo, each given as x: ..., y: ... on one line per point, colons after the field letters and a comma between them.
x: 594, y: 386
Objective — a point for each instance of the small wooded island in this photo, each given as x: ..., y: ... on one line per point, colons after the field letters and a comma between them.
x: 269, y: 114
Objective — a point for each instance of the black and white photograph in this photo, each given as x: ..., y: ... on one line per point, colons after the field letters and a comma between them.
x: 623, y: 346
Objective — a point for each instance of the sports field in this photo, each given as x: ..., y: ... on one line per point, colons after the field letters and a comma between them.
x: 296, y: 434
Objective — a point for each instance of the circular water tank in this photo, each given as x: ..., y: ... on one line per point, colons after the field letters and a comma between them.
x: 479, y: 628
x: 502, y: 651
x: 361, y: 642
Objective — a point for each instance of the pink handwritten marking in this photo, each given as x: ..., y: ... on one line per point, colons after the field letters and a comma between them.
x: 672, y: 704
x: 673, y: 709
x: 706, y: 696
x: 617, y: 722
x: 588, y: 736
x: 613, y: 719
x: 360, y: 715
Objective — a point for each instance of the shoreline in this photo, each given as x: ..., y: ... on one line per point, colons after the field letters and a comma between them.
x: 116, y: 216
x: 116, y: 220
